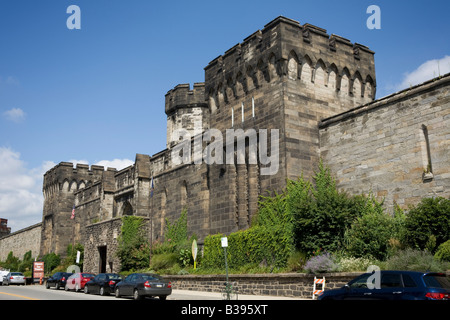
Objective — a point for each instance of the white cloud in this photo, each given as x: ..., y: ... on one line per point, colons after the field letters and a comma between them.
x: 426, y: 71
x: 21, y: 199
x: 118, y: 164
x: 15, y: 115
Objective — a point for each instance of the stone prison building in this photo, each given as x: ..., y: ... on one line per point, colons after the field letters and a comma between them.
x: 314, y: 90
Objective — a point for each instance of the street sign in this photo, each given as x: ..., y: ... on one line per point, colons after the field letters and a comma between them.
x: 224, y: 242
x: 38, y: 269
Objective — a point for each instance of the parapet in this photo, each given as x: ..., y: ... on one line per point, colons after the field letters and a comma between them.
x: 281, y: 39
x: 182, y: 96
x: 79, y: 173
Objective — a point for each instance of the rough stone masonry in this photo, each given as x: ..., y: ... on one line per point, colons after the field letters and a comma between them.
x: 316, y: 90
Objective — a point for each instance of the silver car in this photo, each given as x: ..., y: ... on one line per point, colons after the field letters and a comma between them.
x: 14, y: 278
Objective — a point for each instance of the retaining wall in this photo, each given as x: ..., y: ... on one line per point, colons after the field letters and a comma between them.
x: 298, y: 285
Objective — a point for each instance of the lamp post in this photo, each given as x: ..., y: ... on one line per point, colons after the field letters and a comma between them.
x: 224, y: 241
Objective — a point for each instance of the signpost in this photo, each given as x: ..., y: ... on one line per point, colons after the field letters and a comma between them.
x: 224, y: 241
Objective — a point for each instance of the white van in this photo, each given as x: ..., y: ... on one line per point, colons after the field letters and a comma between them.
x: 3, y: 273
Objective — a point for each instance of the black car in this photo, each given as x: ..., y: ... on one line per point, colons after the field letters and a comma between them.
x: 393, y: 285
x: 141, y: 285
x: 58, y: 280
x: 103, y: 284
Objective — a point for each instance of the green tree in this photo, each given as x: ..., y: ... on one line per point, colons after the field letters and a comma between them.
x: 27, y: 263
x: 51, y: 261
x: 11, y: 262
x: 321, y: 213
x: 133, y: 248
x: 428, y: 224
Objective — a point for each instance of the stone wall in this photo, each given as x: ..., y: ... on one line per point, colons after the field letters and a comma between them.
x: 397, y: 147
x: 21, y: 242
x: 298, y: 285
x: 101, y: 236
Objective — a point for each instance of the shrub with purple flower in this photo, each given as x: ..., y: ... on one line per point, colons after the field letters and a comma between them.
x: 322, y: 263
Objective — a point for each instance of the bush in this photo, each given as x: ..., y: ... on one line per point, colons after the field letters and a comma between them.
x: 51, y: 260
x: 375, y: 232
x: 296, y: 261
x: 428, y: 224
x: 415, y: 260
x: 257, y: 245
x: 321, y: 263
x: 352, y: 264
x: 133, y: 249
x: 320, y: 213
x: 164, y: 261
x: 443, y: 252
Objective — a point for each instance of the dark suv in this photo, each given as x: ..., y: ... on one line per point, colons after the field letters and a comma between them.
x: 393, y: 285
x: 58, y: 280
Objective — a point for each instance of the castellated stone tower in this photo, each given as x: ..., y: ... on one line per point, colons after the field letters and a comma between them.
x: 288, y: 76
x: 283, y: 78
x: 61, y: 186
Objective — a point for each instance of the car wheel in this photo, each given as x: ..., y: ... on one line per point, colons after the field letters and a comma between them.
x: 77, y: 288
x: 117, y: 293
x: 66, y: 288
x: 57, y: 286
x: 136, y: 295
x: 47, y: 286
x: 102, y: 291
x: 86, y: 290
x: 163, y: 298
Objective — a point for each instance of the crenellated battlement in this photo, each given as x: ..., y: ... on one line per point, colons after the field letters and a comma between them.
x: 66, y: 176
x: 186, y: 109
x: 182, y: 97
x: 286, y: 49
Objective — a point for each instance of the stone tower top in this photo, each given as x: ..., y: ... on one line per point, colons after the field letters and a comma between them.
x: 182, y: 97
x: 187, y: 110
x: 285, y: 50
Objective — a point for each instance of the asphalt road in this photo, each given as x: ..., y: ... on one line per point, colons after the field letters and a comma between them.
x: 39, y: 292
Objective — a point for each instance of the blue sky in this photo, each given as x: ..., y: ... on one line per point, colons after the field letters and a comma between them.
x: 96, y: 95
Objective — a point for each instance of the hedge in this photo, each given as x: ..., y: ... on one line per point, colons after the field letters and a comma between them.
x: 256, y: 245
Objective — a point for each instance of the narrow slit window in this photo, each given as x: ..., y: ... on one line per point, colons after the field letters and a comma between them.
x: 253, y: 107
x: 232, y: 117
x: 429, y: 167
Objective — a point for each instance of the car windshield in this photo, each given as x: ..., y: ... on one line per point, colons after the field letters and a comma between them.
x: 114, y: 277
x: 436, y: 281
x: 16, y: 274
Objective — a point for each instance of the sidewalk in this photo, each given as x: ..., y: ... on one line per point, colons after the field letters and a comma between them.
x: 202, y: 295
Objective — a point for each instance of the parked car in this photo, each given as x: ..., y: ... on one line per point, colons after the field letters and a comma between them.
x: 58, y: 280
x: 78, y: 280
x: 14, y: 278
x: 3, y: 274
x: 141, y: 285
x: 394, y: 285
x: 103, y: 284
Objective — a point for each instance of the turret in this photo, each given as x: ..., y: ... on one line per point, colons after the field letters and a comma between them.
x: 186, y: 110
